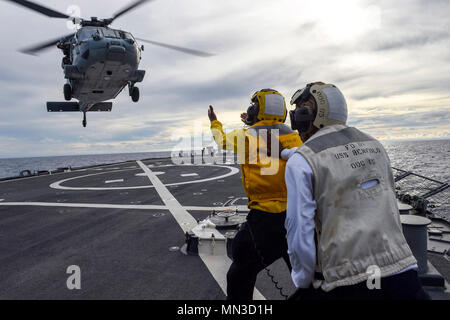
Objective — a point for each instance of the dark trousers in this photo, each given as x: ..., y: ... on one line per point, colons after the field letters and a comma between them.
x: 260, y: 242
x: 403, y: 286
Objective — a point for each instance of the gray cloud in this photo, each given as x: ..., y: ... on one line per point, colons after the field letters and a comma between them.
x: 282, y: 45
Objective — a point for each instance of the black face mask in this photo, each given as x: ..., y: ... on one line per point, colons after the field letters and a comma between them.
x: 301, y: 119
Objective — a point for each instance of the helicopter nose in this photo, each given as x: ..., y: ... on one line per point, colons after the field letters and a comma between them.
x: 116, y: 49
x: 116, y: 53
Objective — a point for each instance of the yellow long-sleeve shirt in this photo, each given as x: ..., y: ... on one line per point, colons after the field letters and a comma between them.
x: 265, y: 192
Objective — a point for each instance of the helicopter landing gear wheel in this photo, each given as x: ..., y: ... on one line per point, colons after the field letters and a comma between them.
x: 134, y: 94
x: 84, y: 120
x: 67, y: 92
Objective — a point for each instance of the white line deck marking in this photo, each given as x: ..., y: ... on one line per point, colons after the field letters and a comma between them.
x: 184, y: 219
x: 1, y: 200
x: 217, y: 265
x: 114, y: 181
x: 189, y: 174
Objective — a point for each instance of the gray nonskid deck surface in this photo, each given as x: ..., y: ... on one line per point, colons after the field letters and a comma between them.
x: 111, y: 222
x: 118, y: 232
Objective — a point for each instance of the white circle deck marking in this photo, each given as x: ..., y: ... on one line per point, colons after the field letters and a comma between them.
x: 57, y: 185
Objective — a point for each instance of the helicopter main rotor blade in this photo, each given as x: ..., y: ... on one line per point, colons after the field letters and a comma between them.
x: 36, y: 48
x: 185, y: 50
x: 128, y: 8
x: 41, y: 9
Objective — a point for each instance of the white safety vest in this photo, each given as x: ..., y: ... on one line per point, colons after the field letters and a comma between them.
x: 356, y: 228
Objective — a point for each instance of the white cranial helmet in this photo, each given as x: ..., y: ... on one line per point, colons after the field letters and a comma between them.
x: 331, y: 104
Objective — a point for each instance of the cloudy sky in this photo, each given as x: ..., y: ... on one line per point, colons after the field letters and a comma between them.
x: 391, y: 59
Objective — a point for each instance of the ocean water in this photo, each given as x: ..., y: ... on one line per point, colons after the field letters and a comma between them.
x: 12, y: 167
x: 427, y: 158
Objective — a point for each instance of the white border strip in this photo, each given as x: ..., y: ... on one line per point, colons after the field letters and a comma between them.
x: 116, y: 206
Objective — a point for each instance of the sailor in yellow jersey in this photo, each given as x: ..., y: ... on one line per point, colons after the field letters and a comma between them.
x: 262, y: 239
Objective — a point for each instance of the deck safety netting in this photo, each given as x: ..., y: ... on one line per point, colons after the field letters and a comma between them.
x: 423, y: 193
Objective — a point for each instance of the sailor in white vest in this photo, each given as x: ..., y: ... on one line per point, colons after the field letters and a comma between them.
x: 343, y: 226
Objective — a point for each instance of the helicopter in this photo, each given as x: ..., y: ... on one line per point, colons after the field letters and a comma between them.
x: 99, y: 61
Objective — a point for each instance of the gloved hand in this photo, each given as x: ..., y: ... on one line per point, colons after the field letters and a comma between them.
x: 211, y: 115
x: 244, y: 117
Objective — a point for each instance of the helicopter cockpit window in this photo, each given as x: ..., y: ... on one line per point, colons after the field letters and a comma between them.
x: 125, y: 35
x: 109, y: 33
x: 86, y: 33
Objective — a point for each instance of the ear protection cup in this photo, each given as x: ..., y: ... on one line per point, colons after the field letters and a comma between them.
x: 252, y: 113
x: 301, y: 119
